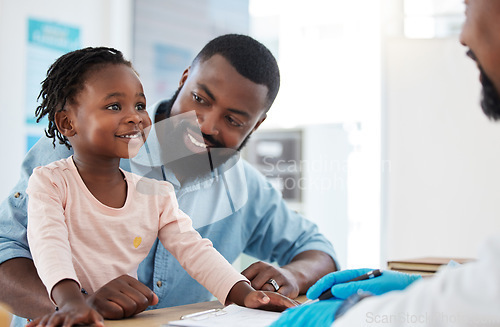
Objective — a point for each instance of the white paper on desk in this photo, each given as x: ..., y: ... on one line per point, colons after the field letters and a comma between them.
x: 235, y: 316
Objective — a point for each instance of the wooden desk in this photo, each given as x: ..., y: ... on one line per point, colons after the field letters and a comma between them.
x: 158, y: 317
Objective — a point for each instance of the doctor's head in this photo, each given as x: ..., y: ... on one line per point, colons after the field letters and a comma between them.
x: 481, y: 35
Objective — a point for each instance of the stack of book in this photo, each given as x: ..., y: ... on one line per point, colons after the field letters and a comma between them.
x: 422, y: 266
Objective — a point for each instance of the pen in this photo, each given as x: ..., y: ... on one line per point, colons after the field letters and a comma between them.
x: 196, y: 314
x: 371, y: 274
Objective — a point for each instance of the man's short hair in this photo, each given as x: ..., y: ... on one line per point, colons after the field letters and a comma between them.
x: 249, y: 57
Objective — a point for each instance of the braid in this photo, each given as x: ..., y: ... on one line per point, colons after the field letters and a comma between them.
x: 65, y: 78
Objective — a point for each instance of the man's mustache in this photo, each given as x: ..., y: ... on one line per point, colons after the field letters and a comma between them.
x: 172, y: 131
x: 212, y: 141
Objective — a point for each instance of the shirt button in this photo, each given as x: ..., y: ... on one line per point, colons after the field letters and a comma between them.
x: 158, y: 283
x: 17, y: 194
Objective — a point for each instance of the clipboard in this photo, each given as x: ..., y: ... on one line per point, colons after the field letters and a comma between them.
x: 232, y: 315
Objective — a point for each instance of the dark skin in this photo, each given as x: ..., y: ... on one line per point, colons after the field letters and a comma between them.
x: 294, y: 278
x: 121, y: 297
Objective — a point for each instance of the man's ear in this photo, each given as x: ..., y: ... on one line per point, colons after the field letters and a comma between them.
x: 64, y: 123
x: 184, y: 76
x: 261, y: 120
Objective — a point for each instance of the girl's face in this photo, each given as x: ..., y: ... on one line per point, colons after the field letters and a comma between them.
x: 108, y: 116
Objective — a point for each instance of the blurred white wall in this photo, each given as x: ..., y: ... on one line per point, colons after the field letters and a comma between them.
x: 168, y: 35
x: 443, y: 153
x: 329, y: 57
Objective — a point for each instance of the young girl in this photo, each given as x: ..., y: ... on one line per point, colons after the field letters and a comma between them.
x: 89, y: 221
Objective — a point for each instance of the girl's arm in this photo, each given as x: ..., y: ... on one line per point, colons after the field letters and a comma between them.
x: 67, y: 291
x: 202, y: 261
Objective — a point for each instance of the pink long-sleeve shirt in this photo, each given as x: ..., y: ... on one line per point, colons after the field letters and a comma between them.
x: 74, y: 236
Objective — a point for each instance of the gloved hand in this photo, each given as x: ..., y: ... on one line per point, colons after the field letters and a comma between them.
x: 388, y: 281
x: 319, y: 314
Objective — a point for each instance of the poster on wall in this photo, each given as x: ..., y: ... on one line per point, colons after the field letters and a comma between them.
x: 46, y: 41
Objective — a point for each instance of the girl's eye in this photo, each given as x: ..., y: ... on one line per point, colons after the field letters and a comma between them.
x: 140, y: 106
x: 114, y: 107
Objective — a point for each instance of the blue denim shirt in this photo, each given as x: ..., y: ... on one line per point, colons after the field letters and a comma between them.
x: 235, y: 207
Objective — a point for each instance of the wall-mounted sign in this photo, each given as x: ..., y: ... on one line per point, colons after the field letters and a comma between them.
x: 46, y: 41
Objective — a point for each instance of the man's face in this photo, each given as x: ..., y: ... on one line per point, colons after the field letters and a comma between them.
x: 481, y: 34
x: 213, y: 113
x: 228, y: 106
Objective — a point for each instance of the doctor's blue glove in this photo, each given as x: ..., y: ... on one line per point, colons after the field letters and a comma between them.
x: 319, y: 314
x: 336, y: 281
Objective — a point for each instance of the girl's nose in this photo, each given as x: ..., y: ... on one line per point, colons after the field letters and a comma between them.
x: 134, y: 117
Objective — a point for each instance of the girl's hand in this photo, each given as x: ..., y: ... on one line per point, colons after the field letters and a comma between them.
x: 70, y: 314
x: 270, y: 301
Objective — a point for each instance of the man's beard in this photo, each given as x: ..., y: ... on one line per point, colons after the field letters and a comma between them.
x: 185, y: 163
x: 490, y: 99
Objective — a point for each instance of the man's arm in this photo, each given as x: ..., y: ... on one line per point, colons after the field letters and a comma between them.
x: 22, y: 289
x: 281, y: 235
x: 294, y: 278
x: 24, y: 292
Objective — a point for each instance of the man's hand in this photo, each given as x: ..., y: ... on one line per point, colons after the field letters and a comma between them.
x: 122, y: 297
x: 336, y: 282
x: 294, y: 278
x: 72, y: 313
x: 259, y: 273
